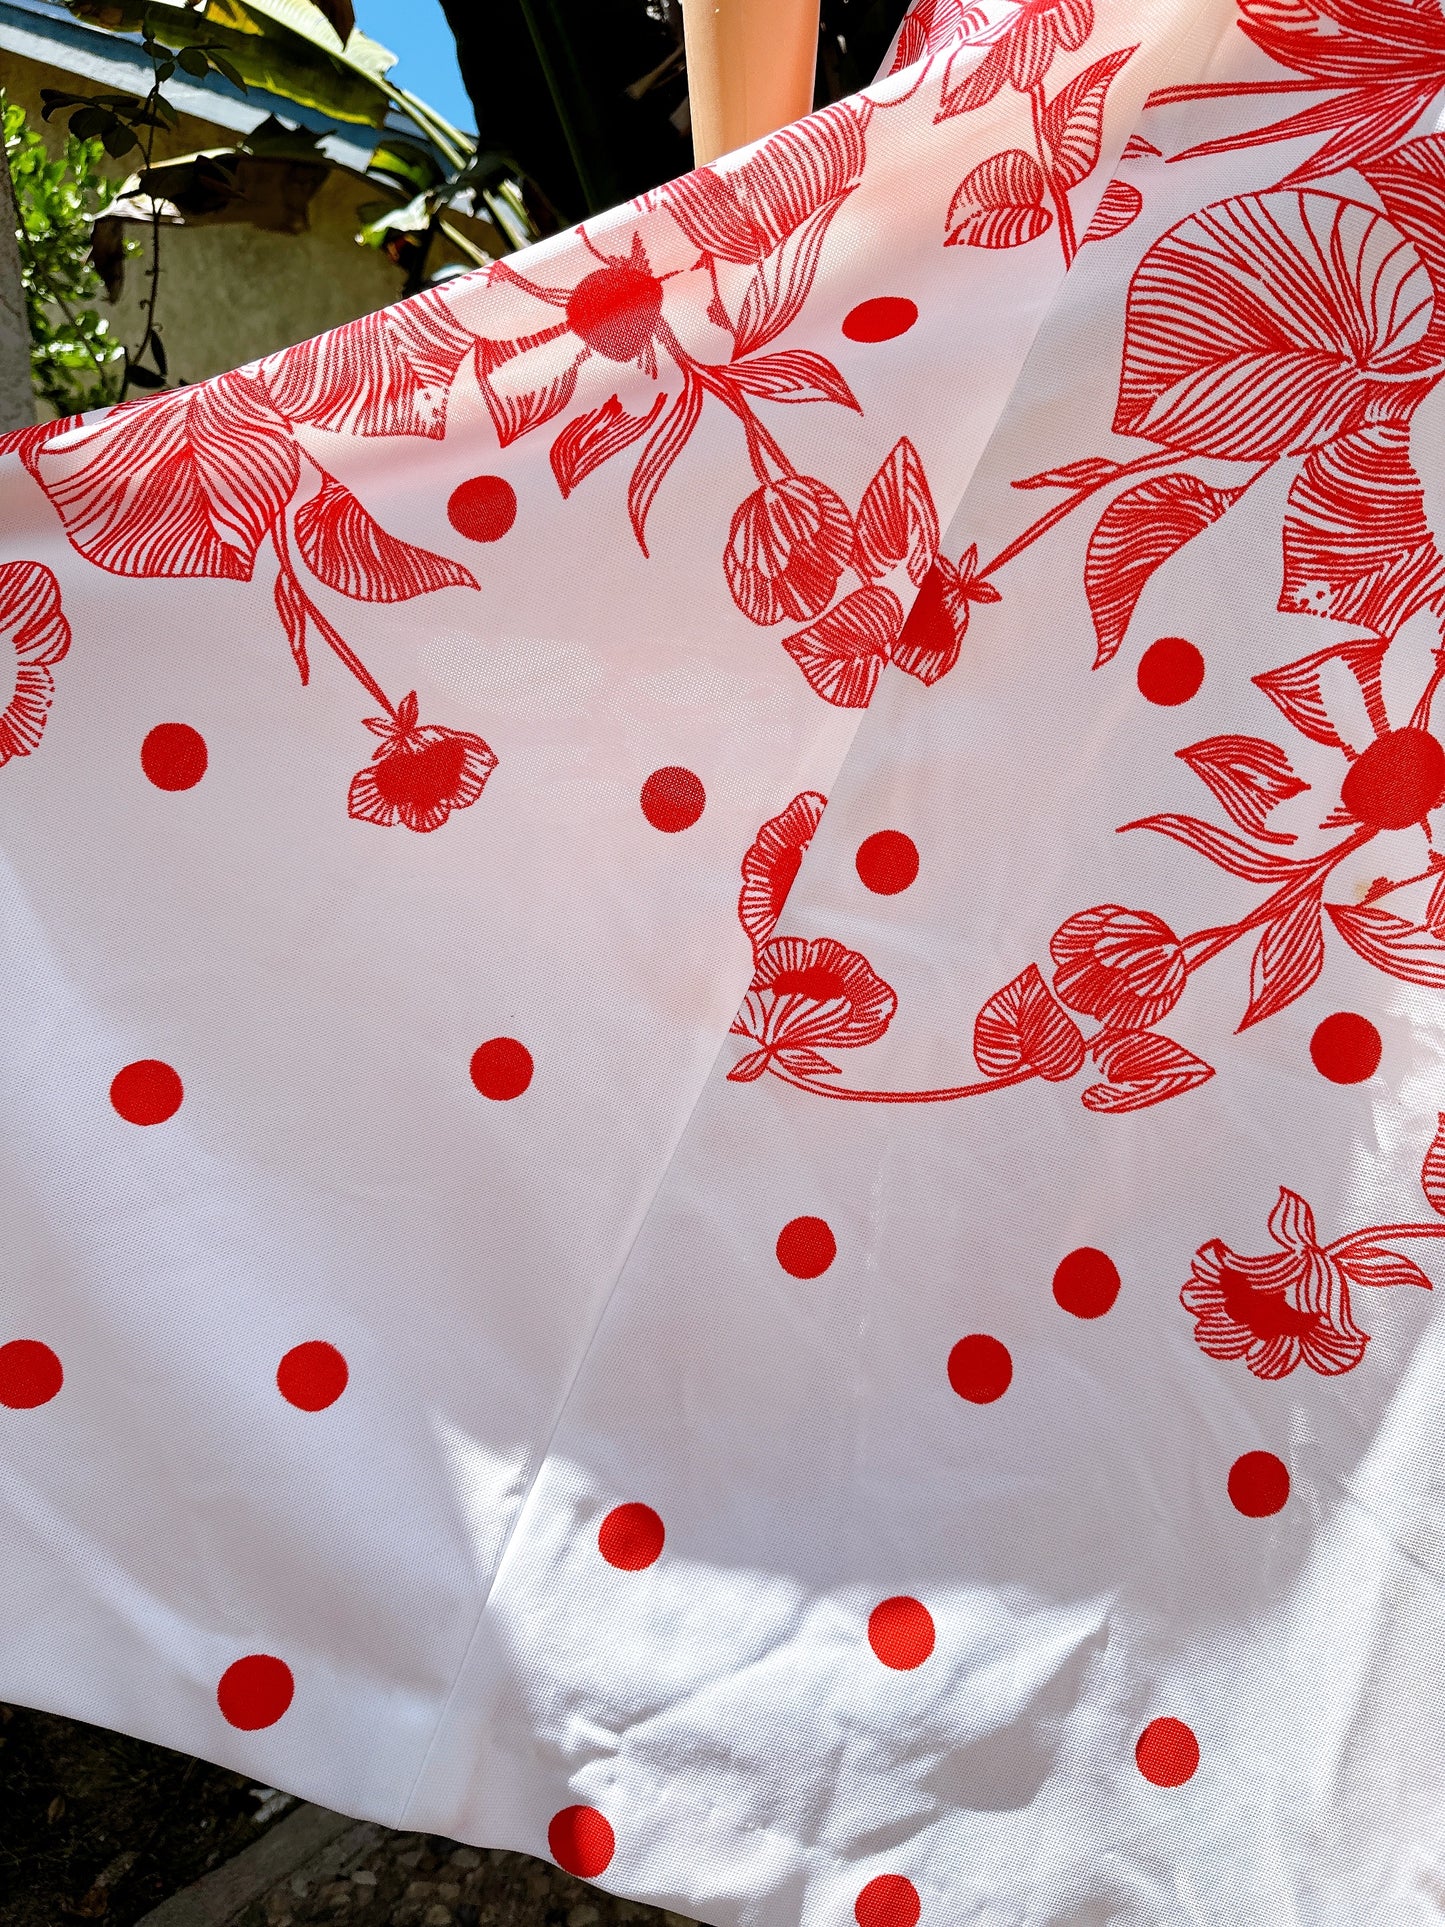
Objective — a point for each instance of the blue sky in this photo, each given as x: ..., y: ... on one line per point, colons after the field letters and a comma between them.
x: 417, y: 34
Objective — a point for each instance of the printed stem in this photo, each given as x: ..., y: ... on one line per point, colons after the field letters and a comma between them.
x: 1313, y: 876
x: 981, y: 1089
x: 332, y: 637
x: 1058, y: 193
x: 761, y: 446
x: 1156, y: 458
x: 1420, y: 719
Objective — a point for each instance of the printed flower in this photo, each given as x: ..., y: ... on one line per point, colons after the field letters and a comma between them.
x: 420, y: 774
x: 613, y: 314
x: 788, y: 544
x: 806, y: 996
x: 773, y: 862
x: 1125, y: 967
x: 1288, y: 1307
x: 1022, y: 57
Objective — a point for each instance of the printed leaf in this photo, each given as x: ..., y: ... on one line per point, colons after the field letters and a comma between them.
x: 1073, y: 121
x: 291, y: 607
x: 1025, y: 1026
x: 187, y: 484
x: 1089, y: 472
x: 1357, y: 545
x: 796, y: 374
x: 1411, y: 951
x: 1137, y: 533
x: 999, y: 204
x: 347, y: 548
x: 1231, y: 853
x: 1119, y: 207
x: 1296, y: 690
x: 515, y: 411
x: 1432, y: 1175
x: 594, y: 438
x: 1249, y: 776
x: 1141, y: 1067
x: 782, y: 281
x: 740, y: 211
x: 389, y: 373
x: 1223, y: 359
x: 1289, y: 957
x: 1364, y: 122
x: 897, y: 521
x: 661, y: 451
x: 843, y: 652
x: 1374, y: 1265
x: 1411, y: 183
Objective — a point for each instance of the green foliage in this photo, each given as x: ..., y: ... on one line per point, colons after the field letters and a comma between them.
x: 75, y: 360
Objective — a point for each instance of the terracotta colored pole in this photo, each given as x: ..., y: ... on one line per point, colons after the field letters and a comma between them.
x: 750, y: 66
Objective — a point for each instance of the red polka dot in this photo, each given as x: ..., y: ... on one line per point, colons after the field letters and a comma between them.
x: 888, y: 1901
x: 1171, y: 670
x: 255, y: 1691
x: 1167, y: 1752
x: 173, y: 756
x: 673, y: 799
x: 980, y: 1368
x: 806, y: 1247
x: 501, y: 1068
x: 631, y: 1537
x: 887, y: 862
x: 582, y: 1841
x: 1258, y: 1484
x: 900, y: 1631
x: 312, y: 1376
x: 1346, y: 1048
x: 30, y: 1374
x: 146, y: 1092
x: 1086, y: 1282
x: 483, y: 509
x: 882, y: 319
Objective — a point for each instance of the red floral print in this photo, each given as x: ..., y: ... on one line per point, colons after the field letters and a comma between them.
x: 895, y: 540
x: 32, y: 621
x: 1022, y: 56
x: 1325, y: 359
x: 788, y: 544
x: 755, y: 231
x: 808, y: 997
x: 1013, y: 197
x: 931, y: 26
x: 420, y: 774
x: 1292, y: 1306
x: 771, y: 865
x: 1125, y: 967
x: 1380, y: 64
x: 194, y: 481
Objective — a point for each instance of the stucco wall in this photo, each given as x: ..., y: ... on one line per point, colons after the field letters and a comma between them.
x: 231, y: 293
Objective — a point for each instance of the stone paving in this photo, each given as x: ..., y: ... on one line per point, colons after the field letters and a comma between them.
x: 417, y: 1880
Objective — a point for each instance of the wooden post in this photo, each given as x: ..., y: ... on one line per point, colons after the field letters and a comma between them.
x: 750, y: 67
